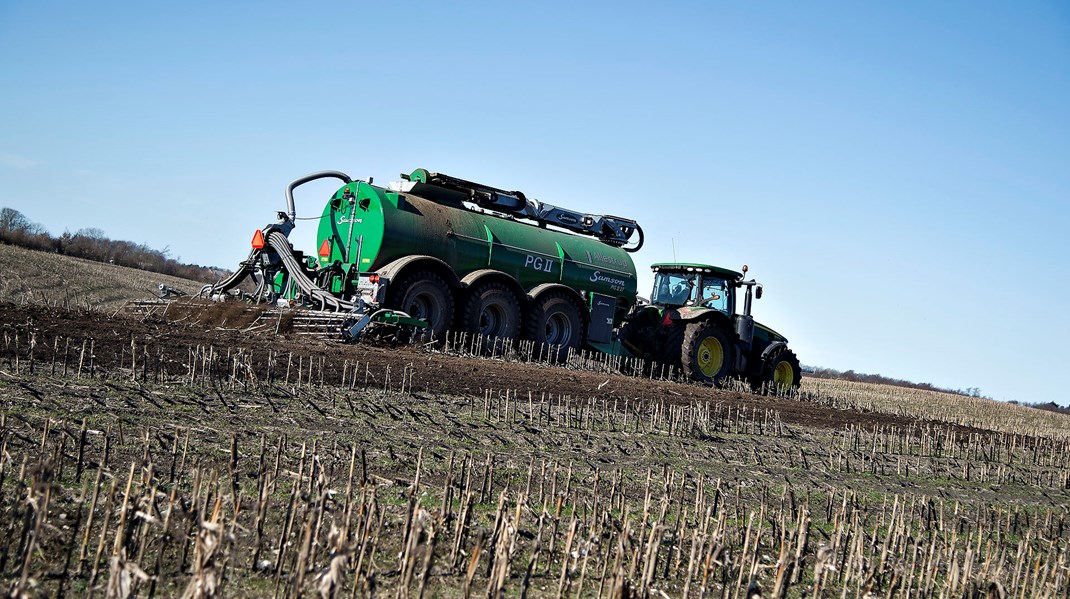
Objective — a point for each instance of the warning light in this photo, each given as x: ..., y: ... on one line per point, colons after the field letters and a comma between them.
x: 373, y: 279
x: 325, y: 248
x: 258, y: 240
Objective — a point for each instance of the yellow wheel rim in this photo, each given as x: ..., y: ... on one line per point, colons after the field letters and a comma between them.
x: 710, y: 356
x: 783, y: 375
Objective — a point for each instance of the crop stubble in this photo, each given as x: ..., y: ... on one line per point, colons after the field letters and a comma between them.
x: 178, y: 460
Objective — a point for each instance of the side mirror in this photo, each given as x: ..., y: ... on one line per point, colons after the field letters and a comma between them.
x: 758, y: 292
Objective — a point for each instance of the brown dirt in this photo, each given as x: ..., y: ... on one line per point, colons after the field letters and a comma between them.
x: 455, y: 375
x: 242, y: 433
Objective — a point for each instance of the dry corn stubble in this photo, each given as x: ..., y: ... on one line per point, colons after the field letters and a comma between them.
x: 206, y: 475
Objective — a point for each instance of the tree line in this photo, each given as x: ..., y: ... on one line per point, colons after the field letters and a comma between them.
x: 93, y: 244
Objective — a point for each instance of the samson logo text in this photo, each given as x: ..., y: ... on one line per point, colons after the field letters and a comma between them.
x: 598, y: 277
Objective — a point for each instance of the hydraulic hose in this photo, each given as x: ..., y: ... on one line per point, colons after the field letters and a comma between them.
x: 244, y: 270
x: 261, y: 287
x: 281, y: 245
x: 284, y: 250
x: 291, y: 210
x: 278, y: 242
x: 641, y: 240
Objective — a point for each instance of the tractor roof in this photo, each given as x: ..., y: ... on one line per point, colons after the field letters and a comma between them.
x: 729, y: 274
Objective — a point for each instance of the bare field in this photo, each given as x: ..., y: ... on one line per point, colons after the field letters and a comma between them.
x: 973, y: 412
x: 32, y: 277
x: 143, y: 457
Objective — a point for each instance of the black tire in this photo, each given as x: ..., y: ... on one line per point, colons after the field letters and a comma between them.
x: 781, y: 374
x: 555, y: 324
x: 666, y: 354
x: 491, y: 310
x: 706, y: 355
x: 423, y: 294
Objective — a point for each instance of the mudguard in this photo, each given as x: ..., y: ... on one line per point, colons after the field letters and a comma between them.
x: 541, y: 289
x: 772, y: 348
x: 474, y: 278
x: 393, y: 270
x: 690, y: 313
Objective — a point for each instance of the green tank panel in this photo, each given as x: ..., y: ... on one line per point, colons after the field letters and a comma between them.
x: 366, y: 227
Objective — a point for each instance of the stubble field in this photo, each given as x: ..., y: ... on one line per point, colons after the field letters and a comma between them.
x: 38, y: 278
x: 196, y: 453
x: 145, y: 457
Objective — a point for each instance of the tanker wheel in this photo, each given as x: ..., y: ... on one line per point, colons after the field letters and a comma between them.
x: 781, y: 374
x: 426, y: 296
x: 492, y: 310
x: 555, y: 325
x: 706, y: 356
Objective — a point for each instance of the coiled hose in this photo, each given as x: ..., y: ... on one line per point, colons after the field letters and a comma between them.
x: 278, y: 242
x: 244, y: 270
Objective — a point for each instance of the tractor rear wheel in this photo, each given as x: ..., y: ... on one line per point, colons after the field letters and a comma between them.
x: 669, y: 352
x: 706, y: 356
x: 781, y: 373
x: 555, y: 325
x: 492, y: 311
x: 424, y: 295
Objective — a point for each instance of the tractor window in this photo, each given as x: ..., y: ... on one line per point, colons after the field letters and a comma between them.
x: 673, y: 289
x: 716, y: 294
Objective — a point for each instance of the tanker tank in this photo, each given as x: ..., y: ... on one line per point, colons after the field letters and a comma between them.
x: 365, y: 227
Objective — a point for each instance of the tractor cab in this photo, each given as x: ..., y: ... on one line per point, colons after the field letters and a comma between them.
x: 695, y: 285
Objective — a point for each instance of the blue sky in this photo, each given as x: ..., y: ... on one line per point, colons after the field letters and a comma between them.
x: 897, y: 174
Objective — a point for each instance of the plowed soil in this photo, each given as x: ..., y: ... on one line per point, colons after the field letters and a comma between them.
x: 215, y: 326
x: 207, y: 408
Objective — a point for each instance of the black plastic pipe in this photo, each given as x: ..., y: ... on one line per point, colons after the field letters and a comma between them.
x: 291, y: 210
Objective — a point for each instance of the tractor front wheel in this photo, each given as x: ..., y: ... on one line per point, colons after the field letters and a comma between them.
x: 426, y: 296
x: 706, y: 356
x: 781, y: 373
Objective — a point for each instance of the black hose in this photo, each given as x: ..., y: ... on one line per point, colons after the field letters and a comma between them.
x: 261, y: 287
x: 232, y: 281
x: 641, y: 240
x: 281, y: 245
x: 291, y: 210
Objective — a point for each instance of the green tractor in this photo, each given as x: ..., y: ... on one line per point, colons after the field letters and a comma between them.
x: 691, y: 323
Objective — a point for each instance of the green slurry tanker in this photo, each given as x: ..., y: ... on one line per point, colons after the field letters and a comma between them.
x: 438, y: 253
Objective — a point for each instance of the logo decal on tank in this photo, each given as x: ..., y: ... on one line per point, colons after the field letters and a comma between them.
x: 598, y: 277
